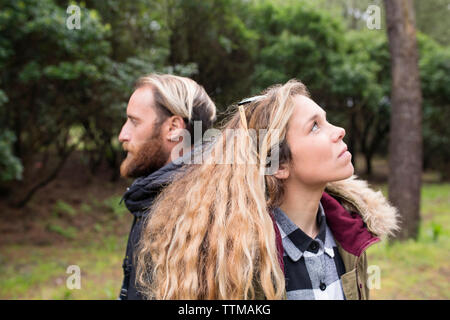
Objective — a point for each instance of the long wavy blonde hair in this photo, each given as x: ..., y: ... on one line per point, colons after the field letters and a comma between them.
x: 209, y: 234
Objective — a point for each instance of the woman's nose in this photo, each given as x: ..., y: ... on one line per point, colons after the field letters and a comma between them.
x: 339, y: 134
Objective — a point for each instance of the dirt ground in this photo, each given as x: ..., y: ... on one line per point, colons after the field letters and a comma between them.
x: 75, y: 187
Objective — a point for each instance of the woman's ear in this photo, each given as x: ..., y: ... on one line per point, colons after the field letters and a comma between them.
x: 282, y: 172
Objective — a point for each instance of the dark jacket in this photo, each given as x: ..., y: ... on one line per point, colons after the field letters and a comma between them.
x: 139, y: 198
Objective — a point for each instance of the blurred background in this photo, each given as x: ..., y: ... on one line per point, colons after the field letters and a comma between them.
x: 64, y: 91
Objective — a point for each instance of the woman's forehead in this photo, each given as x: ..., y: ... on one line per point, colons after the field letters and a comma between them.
x: 304, y: 109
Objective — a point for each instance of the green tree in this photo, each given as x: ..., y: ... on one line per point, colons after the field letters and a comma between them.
x: 49, y: 74
x: 296, y: 40
x: 435, y: 75
x: 10, y: 166
x: 213, y: 36
x: 361, y: 82
x: 432, y: 19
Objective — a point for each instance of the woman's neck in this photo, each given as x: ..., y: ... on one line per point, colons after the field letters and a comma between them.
x: 301, y: 203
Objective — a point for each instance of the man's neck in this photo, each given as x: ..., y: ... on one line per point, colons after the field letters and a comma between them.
x: 172, y: 157
x: 301, y: 204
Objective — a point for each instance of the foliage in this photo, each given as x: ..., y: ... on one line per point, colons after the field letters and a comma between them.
x: 361, y: 84
x: 66, y: 232
x: 114, y: 205
x: 432, y: 19
x: 435, y: 80
x: 62, y: 208
x: 10, y: 166
x: 296, y: 41
x: 48, y: 73
x: 212, y: 35
x: 62, y: 89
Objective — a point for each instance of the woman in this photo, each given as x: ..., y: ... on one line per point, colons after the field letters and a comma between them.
x: 215, y: 233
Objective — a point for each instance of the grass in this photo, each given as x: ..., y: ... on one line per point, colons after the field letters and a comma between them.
x: 63, y: 208
x: 41, y: 272
x: 92, y: 236
x: 409, y: 270
x: 112, y: 203
x: 67, y: 232
x: 418, y: 269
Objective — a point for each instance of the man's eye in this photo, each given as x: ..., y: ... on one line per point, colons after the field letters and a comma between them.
x: 315, y: 126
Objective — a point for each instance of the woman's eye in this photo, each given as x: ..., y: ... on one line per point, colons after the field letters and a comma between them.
x: 315, y: 126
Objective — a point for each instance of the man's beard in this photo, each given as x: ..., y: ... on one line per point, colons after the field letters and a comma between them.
x: 148, y: 158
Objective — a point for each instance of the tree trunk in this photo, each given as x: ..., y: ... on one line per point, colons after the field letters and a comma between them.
x: 405, y: 144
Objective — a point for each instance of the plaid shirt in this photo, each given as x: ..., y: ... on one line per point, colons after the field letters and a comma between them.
x: 313, y: 267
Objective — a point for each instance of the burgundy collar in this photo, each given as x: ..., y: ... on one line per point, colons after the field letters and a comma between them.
x: 348, y: 228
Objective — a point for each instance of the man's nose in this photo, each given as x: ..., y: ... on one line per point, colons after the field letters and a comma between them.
x: 124, y: 135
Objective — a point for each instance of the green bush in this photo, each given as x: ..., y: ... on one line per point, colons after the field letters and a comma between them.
x: 66, y: 232
x: 10, y: 166
x: 113, y: 205
x: 62, y: 208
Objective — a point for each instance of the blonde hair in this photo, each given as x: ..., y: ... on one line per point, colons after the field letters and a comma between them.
x: 181, y: 96
x: 209, y: 234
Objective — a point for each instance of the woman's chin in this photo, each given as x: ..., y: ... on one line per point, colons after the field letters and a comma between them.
x: 350, y: 172
x: 345, y: 174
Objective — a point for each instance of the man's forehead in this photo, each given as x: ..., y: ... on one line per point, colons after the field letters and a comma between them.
x: 143, y: 93
x: 140, y: 102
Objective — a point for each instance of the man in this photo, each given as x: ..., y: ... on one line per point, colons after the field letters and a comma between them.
x: 161, y: 108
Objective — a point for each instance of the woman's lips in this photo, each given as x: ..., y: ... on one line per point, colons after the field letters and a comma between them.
x: 344, y: 152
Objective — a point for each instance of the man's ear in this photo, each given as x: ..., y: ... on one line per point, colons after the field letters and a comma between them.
x: 175, y: 126
x: 282, y: 172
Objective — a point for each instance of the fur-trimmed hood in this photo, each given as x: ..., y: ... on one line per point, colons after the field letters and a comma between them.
x: 355, y: 195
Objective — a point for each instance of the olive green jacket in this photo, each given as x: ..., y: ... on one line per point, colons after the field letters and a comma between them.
x: 371, y: 219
